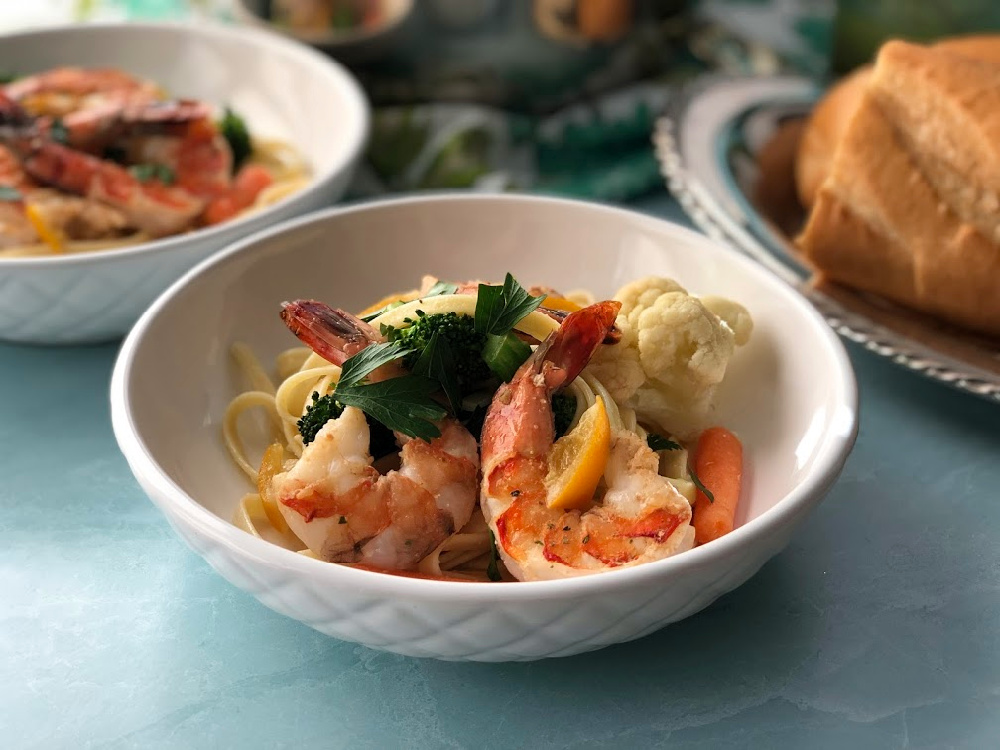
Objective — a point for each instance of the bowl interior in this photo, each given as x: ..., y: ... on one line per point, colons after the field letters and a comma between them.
x: 282, y: 90
x: 789, y: 394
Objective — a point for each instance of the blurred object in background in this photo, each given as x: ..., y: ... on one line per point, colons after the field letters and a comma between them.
x: 595, y: 150
x: 764, y: 37
x: 862, y: 25
x: 524, y: 55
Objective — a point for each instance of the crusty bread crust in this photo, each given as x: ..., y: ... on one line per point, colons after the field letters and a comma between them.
x: 880, y: 225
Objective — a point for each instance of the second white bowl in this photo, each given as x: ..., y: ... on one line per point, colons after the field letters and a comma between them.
x: 283, y: 89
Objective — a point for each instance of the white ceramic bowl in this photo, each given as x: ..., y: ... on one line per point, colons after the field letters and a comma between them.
x: 790, y: 395
x: 282, y: 88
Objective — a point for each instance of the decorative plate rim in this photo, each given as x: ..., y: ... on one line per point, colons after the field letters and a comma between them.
x: 708, y: 211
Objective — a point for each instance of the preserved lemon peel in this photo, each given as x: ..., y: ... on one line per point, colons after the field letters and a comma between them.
x: 577, y: 460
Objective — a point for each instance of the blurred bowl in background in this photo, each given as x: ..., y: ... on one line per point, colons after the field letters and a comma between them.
x: 350, y: 44
x: 97, y: 296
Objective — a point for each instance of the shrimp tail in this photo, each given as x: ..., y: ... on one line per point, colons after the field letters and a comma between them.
x: 333, y: 334
x: 571, y: 347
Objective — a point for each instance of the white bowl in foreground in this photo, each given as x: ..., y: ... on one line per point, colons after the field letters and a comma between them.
x: 283, y: 90
x: 790, y: 395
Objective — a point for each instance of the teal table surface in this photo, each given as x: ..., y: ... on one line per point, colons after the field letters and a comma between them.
x: 878, y: 627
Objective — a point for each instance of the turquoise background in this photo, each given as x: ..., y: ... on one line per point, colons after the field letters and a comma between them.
x: 879, y: 626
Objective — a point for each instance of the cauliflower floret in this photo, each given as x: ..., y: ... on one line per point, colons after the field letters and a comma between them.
x: 642, y: 293
x: 674, y: 352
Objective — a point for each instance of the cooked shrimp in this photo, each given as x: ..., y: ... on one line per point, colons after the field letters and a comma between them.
x: 641, y: 517
x: 338, y: 504
x: 60, y: 91
x: 198, y: 155
x: 152, y: 206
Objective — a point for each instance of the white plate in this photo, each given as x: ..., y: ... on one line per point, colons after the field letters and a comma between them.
x: 708, y: 148
x: 790, y: 395
x: 282, y: 88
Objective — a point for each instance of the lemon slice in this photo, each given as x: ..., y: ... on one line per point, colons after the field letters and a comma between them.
x: 48, y: 234
x: 577, y: 460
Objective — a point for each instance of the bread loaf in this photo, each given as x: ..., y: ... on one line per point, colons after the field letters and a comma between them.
x: 829, y: 119
x: 908, y: 210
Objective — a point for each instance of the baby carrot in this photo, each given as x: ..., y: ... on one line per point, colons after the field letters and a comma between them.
x: 718, y: 464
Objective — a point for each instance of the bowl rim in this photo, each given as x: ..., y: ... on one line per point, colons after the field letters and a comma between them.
x: 336, y: 73
x: 834, y: 449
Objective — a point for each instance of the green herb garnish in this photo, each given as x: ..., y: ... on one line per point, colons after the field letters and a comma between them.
x: 234, y: 130
x: 660, y: 443
x: 499, y: 308
x: 437, y: 362
x: 58, y: 132
x: 9, y: 194
x: 362, y: 364
x: 697, y: 483
x: 403, y: 404
x: 148, y: 172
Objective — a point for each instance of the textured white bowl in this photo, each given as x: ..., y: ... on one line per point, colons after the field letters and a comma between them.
x: 790, y: 395
x: 282, y: 88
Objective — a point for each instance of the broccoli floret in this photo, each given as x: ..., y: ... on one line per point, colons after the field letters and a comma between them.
x: 459, y: 331
x: 324, y: 408
x: 563, y: 409
x: 318, y: 413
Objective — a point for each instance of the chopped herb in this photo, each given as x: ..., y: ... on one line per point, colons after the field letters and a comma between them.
x: 408, y: 543
x: 437, y: 362
x: 402, y: 404
x: 697, y: 483
x: 7, y: 76
x: 565, y: 528
x: 234, y: 130
x: 362, y: 364
x: 342, y: 520
x: 9, y: 194
x: 515, y: 493
x: 538, y: 541
x: 660, y: 443
x: 58, y: 131
x: 492, y: 569
x: 499, y: 308
x: 586, y: 539
x: 147, y: 172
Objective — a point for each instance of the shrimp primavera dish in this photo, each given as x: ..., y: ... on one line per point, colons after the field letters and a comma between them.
x: 92, y: 159
x: 478, y: 431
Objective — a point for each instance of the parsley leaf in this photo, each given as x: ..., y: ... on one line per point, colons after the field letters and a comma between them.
x: 439, y: 288
x: 147, y: 172
x: 437, y: 362
x: 9, y: 194
x: 660, y: 443
x: 697, y: 483
x: 58, y: 131
x: 498, y: 308
x: 403, y: 404
x: 493, y: 570
x: 361, y: 365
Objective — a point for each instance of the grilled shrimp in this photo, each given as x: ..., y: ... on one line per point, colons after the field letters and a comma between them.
x: 641, y: 517
x: 336, y: 502
x: 61, y: 91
